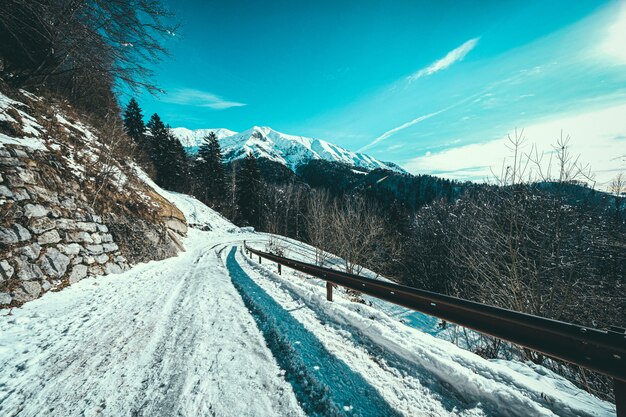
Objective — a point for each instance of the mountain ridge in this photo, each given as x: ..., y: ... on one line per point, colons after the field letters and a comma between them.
x: 289, y: 150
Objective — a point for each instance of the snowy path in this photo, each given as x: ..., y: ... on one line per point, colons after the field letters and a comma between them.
x: 170, y: 338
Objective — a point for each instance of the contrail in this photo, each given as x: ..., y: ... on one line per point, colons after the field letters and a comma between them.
x: 399, y: 128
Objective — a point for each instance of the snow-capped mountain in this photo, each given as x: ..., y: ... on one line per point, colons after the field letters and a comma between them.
x: 289, y: 150
x: 193, y: 138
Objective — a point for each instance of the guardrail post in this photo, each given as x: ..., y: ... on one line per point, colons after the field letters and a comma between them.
x: 259, y: 258
x: 619, y: 390
x: 279, y: 269
x: 329, y: 291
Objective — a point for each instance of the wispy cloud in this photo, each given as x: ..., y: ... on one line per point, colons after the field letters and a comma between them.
x: 595, y: 135
x: 198, y: 98
x: 453, y: 56
x: 613, y: 44
x: 399, y: 128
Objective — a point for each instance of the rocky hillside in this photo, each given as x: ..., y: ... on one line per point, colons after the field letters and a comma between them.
x: 72, y: 203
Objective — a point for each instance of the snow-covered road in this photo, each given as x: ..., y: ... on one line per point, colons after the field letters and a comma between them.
x: 168, y: 338
x: 212, y: 333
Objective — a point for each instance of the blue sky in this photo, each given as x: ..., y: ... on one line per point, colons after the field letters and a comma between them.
x: 403, y: 81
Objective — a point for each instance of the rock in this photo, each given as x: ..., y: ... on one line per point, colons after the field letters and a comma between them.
x: 10, y: 236
x: 89, y: 260
x: 5, y: 192
x: 21, y: 232
x: 20, y: 194
x: 19, y: 153
x: 82, y: 237
x: 86, y: 226
x: 79, y: 215
x: 96, y: 238
x: 102, y: 259
x: 70, y: 249
x: 27, y: 177
x: 28, y: 291
x: 13, y: 180
x: 7, y: 236
x: 176, y: 225
x: 45, y: 285
x: 27, y: 271
x: 6, y: 270
x: 55, y: 213
x: 35, y: 210
x: 94, y: 218
x: 94, y: 249
x: 68, y: 204
x: 31, y: 251
x: 78, y: 272
x: 41, y: 224
x: 1, y: 178
x: 54, y: 263
x: 51, y: 236
x: 112, y: 268
x: 96, y: 270
x: 65, y: 224
x: 107, y: 238
x: 5, y: 298
x: 103, y: 228
x: 110, y: 247
x: 77, y: 260
x: 44, y: 195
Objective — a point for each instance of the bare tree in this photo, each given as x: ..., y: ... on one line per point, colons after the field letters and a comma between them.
x: 358, y: 232
x: 318, y: 223
x: 618, y: 185
x: 79, y: 46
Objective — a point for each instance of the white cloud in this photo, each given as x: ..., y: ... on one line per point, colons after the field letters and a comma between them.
x: 598, y: 136
x: 191, y: 97
x: 453, y: 56
x: 615, y: 41
x: 399, y: 128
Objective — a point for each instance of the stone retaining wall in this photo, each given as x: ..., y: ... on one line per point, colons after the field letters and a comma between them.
x: 51, y: 237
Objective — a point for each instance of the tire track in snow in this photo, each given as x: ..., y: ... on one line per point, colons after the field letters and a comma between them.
x: 324, y: 385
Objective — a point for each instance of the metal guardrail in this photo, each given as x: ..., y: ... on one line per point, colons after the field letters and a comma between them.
x: 603, y: 351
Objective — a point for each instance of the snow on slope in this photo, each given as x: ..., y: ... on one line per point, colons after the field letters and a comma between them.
x: 32, y: 130
x: 193, y: 138
x: 212, y: 333
x: 289, y: 150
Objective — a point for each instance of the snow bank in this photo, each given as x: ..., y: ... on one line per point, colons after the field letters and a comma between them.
x: 524, y: 389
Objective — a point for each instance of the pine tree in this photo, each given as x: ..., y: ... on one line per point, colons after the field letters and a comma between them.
x: 176, y: 164
x: 158, y: 139
x: 168, y: 156
x: 209, y: 171
x: 249, y: 192
x: 133, y: 122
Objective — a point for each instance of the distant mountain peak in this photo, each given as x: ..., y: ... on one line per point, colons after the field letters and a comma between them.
x: 193, y: 138
x: 289, y: 150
